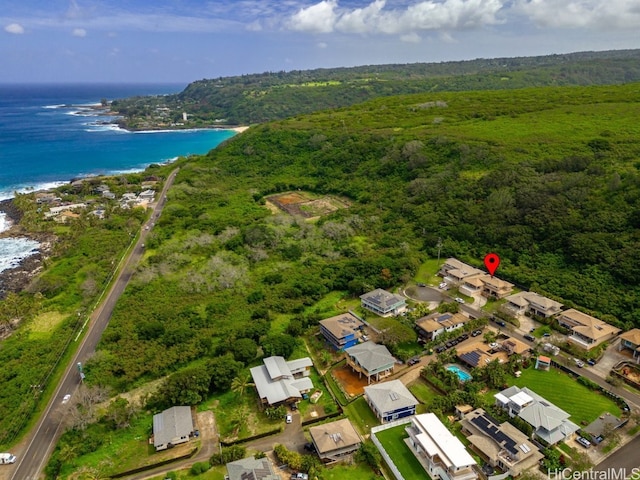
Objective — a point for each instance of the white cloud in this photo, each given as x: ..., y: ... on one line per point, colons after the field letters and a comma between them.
x: 318, y: 18
x: 327, y: 16
x: 322, y: 45
x: 14, y: 28
x: 79, y: 32
x: 600, y: 14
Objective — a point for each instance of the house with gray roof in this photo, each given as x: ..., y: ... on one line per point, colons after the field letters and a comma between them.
x: 370, y: 359
x: 172, y: 427
x: 390, y: 400
x: 549, y: 422
x: 383, y: 303
x: 278, y: 381
x: 251, y: 468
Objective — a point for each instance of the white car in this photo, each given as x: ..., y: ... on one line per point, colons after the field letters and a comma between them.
x: 288, y: 418
x: 66, y: 398
x: 459, y: 300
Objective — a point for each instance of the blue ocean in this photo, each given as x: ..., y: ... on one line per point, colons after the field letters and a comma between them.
x: 49, y: 134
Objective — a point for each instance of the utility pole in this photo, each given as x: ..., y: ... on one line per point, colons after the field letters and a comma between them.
x: 439, y: 245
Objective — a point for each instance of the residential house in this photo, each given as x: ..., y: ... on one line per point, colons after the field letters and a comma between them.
x: 55, y: 211
x: 603, y: 426
x: 502, y: 445
x: 172, y: 427
x: 461, y: 273
x: 147, y: 196
x: 479, y: 354
x: 472, y: 285
x: 342, y: 331
x: 532, y: 303
x: 390, y: 400
x: 549, y: 422
x: 631, y: 340
x: 278, y: 381
x: 432, y: 325
x: 334, y: 440
x: 370, y: 359
x: 440, y: 452
x: 383, y: 303
x: 495, y: 288
x: 251, y: 468
x: 586, y: 331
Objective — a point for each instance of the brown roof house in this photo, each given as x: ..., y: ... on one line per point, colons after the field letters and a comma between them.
x: 586, y: 331
x: 532, y: 303
x: 370, y: 359
x: 631, y: 340
x: 502, y: 445
x: 383, y: 303
x: 342, y: 331
x: 495, y: 288
x: 432, y: 325
x: 335, y: 440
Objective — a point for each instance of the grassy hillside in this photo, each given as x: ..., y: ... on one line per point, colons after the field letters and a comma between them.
x: 546, y: 177
x: 258, y: 98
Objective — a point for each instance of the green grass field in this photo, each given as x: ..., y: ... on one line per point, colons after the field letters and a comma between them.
x: 583, y: 404
x: 422, y: 391
x: 392, y: 440
x: 361, y: 415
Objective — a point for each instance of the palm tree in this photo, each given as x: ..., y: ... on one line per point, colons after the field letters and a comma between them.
x: 240, y: 384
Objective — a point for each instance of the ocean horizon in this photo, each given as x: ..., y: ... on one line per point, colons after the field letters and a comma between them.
x: 51, y: 134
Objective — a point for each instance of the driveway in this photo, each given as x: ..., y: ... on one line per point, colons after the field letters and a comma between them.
x: 291, y: 437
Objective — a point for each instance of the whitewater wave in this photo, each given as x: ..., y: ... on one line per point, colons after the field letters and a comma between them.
x: 5, y: 223
x: 105, y: 127
x: 15, y: 250
x: 9, y: 192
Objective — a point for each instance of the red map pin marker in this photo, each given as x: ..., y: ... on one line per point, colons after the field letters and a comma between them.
x: 492, y: 261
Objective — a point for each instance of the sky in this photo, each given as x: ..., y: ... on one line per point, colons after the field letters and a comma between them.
x: 163, y: 41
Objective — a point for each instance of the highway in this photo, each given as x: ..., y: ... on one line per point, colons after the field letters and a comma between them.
x: 43, y: 437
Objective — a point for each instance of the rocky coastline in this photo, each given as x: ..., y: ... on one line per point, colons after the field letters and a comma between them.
x: 17, y: 279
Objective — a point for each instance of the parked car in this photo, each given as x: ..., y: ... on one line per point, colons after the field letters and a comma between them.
x: 421, y: 284
x: 546, y: 334
x: 288, y: 418
x: 459, y: 300
x: 532, y: 330
x: 299, y: 476
x: 530, y: 337
x: 501, y: 323
x: 464, y: 336
x: 449, y: 344
x: 579, y: 363
x: 591, y: 362
x: 413, y: 361
x: 442, y: 286
x: 66, y: 398
x: 310, y: 447
x: 475, y: 333
x: 440, y: 349
x: 584, y: 442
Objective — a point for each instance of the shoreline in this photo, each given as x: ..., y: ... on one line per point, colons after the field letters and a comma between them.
x: 18, y: 278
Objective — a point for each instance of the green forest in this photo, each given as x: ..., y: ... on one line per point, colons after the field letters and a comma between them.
x: 258, y: 98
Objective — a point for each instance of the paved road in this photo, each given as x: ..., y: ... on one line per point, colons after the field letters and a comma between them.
x: 626, y: 458
x: 43, y: 438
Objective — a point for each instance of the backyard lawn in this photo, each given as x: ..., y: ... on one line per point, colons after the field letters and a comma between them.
x: 422, y: 391
x: 349, y: 472
x: 583, y: 404
x: 392, y: 440
x: 361, y: 415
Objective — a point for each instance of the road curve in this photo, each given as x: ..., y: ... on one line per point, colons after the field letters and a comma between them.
x: 43, y: 437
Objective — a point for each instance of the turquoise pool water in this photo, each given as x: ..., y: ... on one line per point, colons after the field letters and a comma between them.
x: 462, y: 375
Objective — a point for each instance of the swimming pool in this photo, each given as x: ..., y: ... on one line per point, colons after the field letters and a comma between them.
x: 462, y: 375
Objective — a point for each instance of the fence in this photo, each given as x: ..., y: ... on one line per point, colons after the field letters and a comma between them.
x: 383, y: 452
